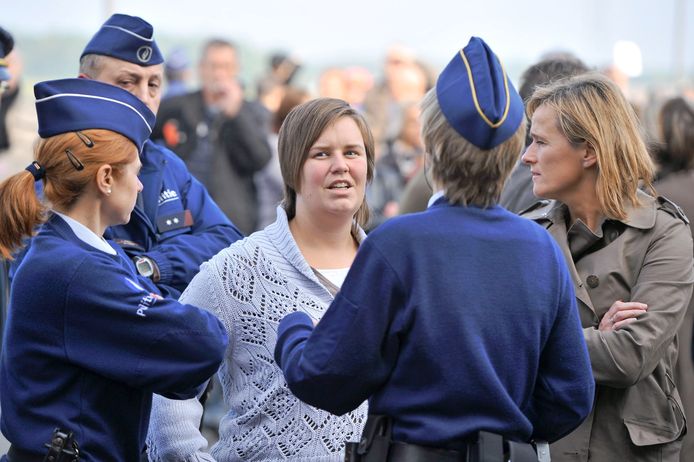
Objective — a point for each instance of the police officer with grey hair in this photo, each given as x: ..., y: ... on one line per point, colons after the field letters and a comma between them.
x: 176, y: 225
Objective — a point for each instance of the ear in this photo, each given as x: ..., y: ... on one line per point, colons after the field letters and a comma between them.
x: 104, y: 179
x: 590, y: 159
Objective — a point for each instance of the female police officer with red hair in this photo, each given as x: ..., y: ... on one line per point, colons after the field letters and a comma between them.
x: 87, y: 341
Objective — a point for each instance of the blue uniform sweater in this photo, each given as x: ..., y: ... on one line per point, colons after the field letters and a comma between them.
x: 86, y: 345
x: 454, y: 320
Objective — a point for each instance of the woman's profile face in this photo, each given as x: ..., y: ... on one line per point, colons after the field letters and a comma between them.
x: 557, y: 165
x: 333, y: 177
x: 126, y: 185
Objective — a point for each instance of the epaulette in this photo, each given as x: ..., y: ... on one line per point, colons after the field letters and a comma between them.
x: 538, y: 210
x: 673, y: 209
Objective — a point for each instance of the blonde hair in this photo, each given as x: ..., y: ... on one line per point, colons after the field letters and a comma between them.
x: 468, y: 174
x: 591, y: 108
x: 302, y: 127
x: 21, y: 210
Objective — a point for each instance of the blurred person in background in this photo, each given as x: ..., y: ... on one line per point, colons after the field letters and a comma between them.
x: 297, y: 263
x: 283, y: 68
x: 401, y: 159
x: 272, y: 86
x: 404, y: 79
x: 10, y: 75
x: 518, y: 190
x: 175, y: 224
x: 631, y: 259
x: 332, y: 83
x: 218, y: 134
x: 177, y: 73
x: 675, y: 158
x: 358, y: 82
x: 6, y: 47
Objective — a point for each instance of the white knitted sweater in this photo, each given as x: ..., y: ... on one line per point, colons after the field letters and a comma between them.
x: 250, y: 286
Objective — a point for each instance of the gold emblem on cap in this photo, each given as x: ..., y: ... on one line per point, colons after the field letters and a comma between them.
x: 474, y: 94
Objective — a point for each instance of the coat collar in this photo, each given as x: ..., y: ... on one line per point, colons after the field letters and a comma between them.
x: 640, y: 217
x: 550, y: 214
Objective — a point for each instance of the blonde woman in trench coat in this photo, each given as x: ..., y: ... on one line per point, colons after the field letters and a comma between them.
x: 630, y: 256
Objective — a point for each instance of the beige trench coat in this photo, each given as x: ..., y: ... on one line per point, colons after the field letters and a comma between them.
x: 637, y: 415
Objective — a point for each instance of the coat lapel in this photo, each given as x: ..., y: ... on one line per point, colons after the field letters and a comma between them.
x: 558, y: 232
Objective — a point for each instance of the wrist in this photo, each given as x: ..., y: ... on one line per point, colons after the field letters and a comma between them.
x: 147, y: 267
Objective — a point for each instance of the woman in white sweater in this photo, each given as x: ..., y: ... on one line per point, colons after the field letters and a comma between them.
x: 297, y: 263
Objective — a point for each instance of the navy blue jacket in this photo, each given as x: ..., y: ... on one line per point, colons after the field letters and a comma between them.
x: 86, y: 345
x: 451, y: 321
x: 177, y: 224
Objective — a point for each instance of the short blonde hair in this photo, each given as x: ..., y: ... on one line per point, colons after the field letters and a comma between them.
x: 591, y: 108
x: 468, y: 174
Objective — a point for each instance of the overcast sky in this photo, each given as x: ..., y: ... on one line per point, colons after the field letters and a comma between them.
x: 321, y: 30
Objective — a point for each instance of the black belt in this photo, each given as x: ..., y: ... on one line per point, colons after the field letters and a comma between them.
x: 20, y: 455
x: 399, y: 452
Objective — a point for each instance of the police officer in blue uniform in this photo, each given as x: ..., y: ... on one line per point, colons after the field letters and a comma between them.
x: 459, y: 323
x: 176, y: 225
x: 88, y: 340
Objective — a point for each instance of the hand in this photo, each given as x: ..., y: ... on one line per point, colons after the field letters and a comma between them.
x: 229, y: 97
x: 620, y: 314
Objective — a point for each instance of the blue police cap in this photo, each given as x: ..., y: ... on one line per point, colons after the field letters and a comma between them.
x: 477, y: 98
x: 128, y: 38
x: 70, y: 105
x: 6, y: 45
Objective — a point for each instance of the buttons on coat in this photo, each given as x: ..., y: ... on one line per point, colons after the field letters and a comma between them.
x: 593, y: 281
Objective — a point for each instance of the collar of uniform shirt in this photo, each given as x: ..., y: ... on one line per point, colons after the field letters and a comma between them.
x: 436, y: 196
x: 86, y: 235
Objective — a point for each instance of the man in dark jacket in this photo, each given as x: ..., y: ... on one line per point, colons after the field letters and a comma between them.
x: 218, y: 135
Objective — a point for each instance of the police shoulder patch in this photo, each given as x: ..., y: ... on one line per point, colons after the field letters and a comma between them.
x: 673, y: 209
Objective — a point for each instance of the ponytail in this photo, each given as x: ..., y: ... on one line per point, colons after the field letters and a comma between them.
x: 21, y: 212
x: 69, y: 162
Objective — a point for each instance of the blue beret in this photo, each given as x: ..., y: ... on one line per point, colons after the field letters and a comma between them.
x: 6, y: 45
x: 70, y: 105
x: 477, y: 98
x: 128, y: 38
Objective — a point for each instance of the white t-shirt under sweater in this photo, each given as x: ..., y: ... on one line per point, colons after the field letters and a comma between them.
x: 250, y: 286
x: 336, y: 276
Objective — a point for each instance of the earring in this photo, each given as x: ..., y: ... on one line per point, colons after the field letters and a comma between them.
x: 108, y: 191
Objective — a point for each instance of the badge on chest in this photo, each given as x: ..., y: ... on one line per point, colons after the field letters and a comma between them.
x: 174, y: 221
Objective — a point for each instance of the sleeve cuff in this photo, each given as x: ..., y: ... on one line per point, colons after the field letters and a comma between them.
x: 297, y: 318
x: 164, y: 265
